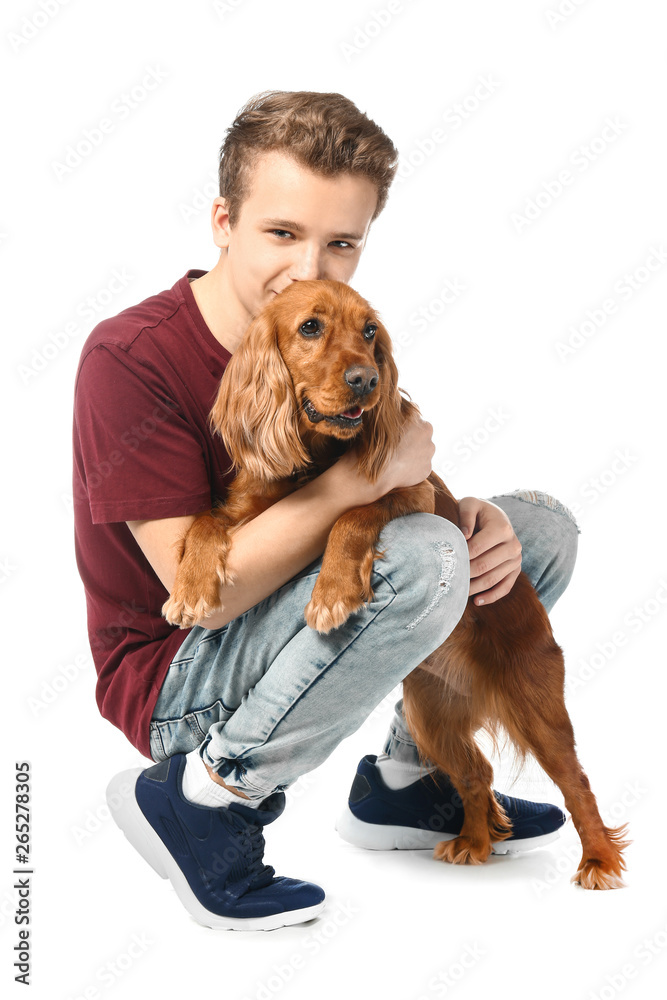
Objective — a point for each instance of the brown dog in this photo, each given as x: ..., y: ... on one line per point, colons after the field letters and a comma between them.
x: 313, y: 377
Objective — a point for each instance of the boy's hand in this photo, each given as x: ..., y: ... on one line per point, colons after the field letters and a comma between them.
x: 494, y: 549
x: 409, y: 464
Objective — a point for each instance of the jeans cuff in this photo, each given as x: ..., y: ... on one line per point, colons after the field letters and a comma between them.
x: 399, y: 749
x: 232, y: 773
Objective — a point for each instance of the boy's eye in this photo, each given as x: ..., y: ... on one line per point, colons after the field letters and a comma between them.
x: 342, y: 244
x: 310, y: 328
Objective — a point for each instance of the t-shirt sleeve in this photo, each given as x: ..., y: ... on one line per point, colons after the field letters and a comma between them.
x: 139, y: 456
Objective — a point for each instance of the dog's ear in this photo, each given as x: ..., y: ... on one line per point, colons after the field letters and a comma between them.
x: 384, y: 423
x: 255, y: 411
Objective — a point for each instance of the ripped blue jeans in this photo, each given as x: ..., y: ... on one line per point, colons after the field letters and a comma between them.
x: 267, y: 699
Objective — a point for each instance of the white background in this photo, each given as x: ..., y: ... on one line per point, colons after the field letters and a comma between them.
x: 587, y: 428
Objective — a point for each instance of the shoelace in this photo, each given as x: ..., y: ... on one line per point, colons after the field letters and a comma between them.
x: 250, y: 842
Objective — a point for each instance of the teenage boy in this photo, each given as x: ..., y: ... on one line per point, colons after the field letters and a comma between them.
x: 235, y: 709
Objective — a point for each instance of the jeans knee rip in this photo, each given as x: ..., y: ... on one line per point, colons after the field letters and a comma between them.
x: 544, y: 500
x: 447, y: 566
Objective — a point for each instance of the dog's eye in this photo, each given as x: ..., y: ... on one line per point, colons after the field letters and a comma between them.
x: 369, y: 331
x: 310, y: 328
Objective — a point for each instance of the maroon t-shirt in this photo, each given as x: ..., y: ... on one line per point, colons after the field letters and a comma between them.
x: 146, y: 382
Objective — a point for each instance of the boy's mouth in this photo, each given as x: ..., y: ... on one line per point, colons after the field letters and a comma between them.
x: 348, y: 418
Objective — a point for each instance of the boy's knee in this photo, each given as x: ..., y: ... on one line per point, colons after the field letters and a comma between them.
x: 412, y: 539
x: 559, y: 536
x: 549, y: 536
x: 426, y: 560
x: 564, y: 542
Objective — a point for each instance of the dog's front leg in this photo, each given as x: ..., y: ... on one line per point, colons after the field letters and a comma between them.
x: 201, y: 570
x: 344, y: 581
x: 203, y: 566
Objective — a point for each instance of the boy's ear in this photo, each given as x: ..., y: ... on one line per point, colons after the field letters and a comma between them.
x: 220, y: 222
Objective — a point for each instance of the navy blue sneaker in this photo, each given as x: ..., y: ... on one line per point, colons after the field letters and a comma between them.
x: 212, y: 857
x: 428, y: 811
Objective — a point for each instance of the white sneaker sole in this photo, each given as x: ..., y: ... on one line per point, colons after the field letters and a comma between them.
x: 129, y: 818
x: 378, y: 837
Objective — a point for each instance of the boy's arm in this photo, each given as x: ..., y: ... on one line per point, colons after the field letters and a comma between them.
x: 281, y: 541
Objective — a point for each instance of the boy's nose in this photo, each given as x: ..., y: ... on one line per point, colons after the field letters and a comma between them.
x: 307, y: 267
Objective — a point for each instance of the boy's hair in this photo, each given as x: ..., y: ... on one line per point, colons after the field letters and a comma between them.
x: 325, y: 132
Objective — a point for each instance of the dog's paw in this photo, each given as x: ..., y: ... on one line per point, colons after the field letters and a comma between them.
x: 462, y: 851
x: 594, y: 874
x: 196, y: 591
x: 186, y: 615
x: 605, y: 869
x: 333, y: 601
x: 173, y: 611
x: 189, y: 603
x: 323, y: 618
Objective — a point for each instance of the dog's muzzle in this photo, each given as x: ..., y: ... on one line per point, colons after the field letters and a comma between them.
x: 348, y: 418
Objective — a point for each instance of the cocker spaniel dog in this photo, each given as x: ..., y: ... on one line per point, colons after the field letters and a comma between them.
x: 313, y: 377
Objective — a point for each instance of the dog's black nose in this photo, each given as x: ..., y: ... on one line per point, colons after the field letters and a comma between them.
x: 361, y: 380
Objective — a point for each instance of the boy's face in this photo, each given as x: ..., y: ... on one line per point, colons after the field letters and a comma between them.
x: 294, y: 225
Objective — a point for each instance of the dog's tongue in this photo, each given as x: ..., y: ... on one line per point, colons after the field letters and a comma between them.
x: 355, y: 412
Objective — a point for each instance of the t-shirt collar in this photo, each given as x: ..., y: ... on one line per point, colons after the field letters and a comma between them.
x: 183, y: 287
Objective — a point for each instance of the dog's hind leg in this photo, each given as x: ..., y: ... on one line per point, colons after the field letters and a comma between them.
x: 536, y: 719
x: 442, y: 723
x: 484, y: 820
